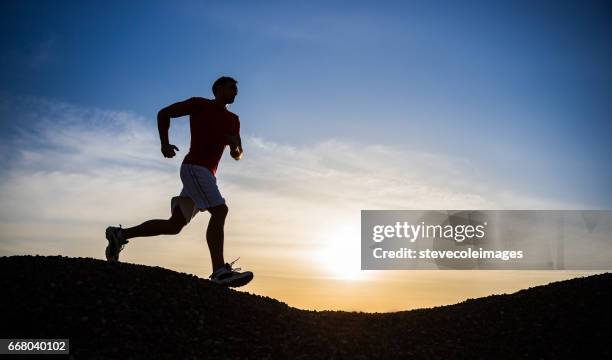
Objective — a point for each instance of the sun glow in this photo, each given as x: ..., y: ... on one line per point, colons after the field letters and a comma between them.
x: 340, y: 253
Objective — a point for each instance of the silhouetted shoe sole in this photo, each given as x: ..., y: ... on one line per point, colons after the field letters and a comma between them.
x: 238, y: 282
x: 241, y: 281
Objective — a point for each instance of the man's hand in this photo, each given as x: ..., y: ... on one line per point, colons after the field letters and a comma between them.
x: 168, y: 150
x: 235, y: 144
x: 236, y: 153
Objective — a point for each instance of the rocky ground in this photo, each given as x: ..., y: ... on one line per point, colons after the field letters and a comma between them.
x: 128, y: 311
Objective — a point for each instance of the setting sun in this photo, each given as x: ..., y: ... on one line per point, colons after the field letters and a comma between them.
x: 340, y: 252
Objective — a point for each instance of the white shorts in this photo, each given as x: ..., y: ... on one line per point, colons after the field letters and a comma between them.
x: 199, y: 192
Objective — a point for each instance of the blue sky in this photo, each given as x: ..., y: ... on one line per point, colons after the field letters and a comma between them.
x: 521, y: 89
x: 344, y: 106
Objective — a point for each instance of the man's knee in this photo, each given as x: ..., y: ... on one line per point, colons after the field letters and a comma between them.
x: 176, y: 225
x: 219, y: 210
x: 177, y: 222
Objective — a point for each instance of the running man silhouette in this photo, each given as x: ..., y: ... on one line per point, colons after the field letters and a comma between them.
x: 212, y: 128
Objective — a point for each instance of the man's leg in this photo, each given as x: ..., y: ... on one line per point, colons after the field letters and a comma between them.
x: 214, y: 234
x: 171, y: 226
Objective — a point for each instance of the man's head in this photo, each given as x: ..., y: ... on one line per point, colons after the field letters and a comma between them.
x: 225, y: 89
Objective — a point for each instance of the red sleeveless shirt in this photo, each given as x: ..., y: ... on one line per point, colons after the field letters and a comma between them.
x: 209, y: 125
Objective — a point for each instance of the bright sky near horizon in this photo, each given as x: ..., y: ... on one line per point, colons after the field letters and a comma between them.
x: 343, y: 105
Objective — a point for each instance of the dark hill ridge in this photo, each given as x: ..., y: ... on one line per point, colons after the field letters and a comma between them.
x: 123, y: 311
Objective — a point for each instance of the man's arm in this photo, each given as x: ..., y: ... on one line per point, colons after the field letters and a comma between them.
x: 175, y: 110
x: 235, y: 144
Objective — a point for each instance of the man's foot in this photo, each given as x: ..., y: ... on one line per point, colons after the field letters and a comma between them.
x: 227, y: 276
x: 115, y: 243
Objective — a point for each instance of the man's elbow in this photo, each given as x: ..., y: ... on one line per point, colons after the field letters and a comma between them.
x: 163, y: 114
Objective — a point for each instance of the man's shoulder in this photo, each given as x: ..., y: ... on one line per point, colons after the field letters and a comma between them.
x: 199, y: 104
x: 199, y: 100
x: 205, y: 104
x: 232, y: 115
